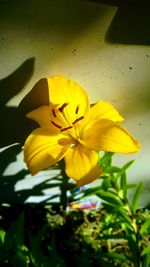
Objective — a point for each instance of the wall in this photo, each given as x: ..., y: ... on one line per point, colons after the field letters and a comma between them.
x: 103, y: 47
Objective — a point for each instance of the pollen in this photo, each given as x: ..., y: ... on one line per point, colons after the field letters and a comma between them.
x: 66, y: 128
x: 54, y: 114
x: 77, y: 109
x: 62, y: 107
x: 56, y: 125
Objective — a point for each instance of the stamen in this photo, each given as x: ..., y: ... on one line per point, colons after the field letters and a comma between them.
x: 77, y: 109
x: 81, y: 118
x: 65, y: 129
x: 54, y: 114
x: 62, y: 107
x: 56, y: 125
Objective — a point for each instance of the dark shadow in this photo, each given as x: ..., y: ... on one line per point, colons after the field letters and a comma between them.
x: 64, y: 19
x: 38, y: 96
x: 106, y: 2
x: 12, y: 122
x: 15, y: 128
x: 9, y: 195
x: 131, y: 24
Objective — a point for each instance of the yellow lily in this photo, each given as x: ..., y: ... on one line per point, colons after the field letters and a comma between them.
x: 73, y: 130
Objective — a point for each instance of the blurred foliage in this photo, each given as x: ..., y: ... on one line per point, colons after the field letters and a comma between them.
x: 116, y: 234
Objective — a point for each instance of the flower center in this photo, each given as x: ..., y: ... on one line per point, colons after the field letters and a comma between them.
x: 58, y: 113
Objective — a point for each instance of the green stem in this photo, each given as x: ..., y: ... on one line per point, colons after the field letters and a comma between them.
x: 134, y: 231
x: 64, y: 187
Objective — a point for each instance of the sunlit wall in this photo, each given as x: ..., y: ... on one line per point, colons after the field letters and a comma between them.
x: 92, y: 43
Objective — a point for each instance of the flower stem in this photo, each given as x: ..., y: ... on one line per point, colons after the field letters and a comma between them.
x: 64, y: 187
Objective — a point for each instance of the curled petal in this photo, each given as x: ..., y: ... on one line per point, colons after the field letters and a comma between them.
x: 107, y: 135
x: 68, y: 97
x: 81, y: 165
x: 43, y: 148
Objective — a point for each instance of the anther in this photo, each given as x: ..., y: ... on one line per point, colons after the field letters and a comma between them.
x: 62, y: 107
x: 65, y: 129
x: 81, y: 118
x: 77, y: 109
x: 56, y: 125
x: 54, y: 114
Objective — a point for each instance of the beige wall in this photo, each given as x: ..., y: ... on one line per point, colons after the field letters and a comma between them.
x: 85, y: 41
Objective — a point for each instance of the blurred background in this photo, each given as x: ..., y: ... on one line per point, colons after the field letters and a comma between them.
x: 102, y: 45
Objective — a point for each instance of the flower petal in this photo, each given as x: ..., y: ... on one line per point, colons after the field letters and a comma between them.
x: 41, y: 115
x: 81, y: 165
x: 104, y: 110
x: 69, y: 98
x: 43, y: 148
x: 107, y: 135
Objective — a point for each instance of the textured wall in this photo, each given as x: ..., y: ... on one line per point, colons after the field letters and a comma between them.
x: 102, y: 47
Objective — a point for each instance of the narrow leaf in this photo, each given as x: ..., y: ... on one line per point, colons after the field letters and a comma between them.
x: 124, y: 168
x: 130, y: 186
x: 91, y: 191
x: 146, y: 260
x: 123, y: 185
x: 133, y: 247
x: 113, y: 236
x: 2, y: 236
x: 117, y: 256
x: 105, y: 159
x: 145, y: 227
x: 110, y: 197
x: 146, y: 251
x: 136, y: 197
x: 123, y: 214
x: 112, y: 169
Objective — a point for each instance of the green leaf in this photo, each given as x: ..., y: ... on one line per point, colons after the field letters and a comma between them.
x: 106, y: 184
x: 123, y: 214
x: 2, y: 237
x: 136, y: 197
x: 20, y: 259
x: 146, y: 260
x: 133, y: 248
x: 105, y: 160
x: 130, y: 186
x: 112, y: 169
x: 146, y: 251
x: 15, y: 235
x: 124, y: 168
x: 145, y: 227
x: 39, y: 259
x: 146, y: 256
x: 113, y: 236
x: 123, y: 185
x: 91, y: 191
x: 110, y: 197
x: 112, y: 225
x: 117, y: 256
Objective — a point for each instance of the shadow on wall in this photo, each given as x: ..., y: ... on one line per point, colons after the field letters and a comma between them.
x: 13, y: 123
x: 131, y: 24
x: 106, y: 2
x: 60, y: 20
x: 38, y: 96
x: 15, y: 128
x: 9, y: 195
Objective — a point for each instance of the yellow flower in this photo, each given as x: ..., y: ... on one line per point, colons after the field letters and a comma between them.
x: 73, y: 130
